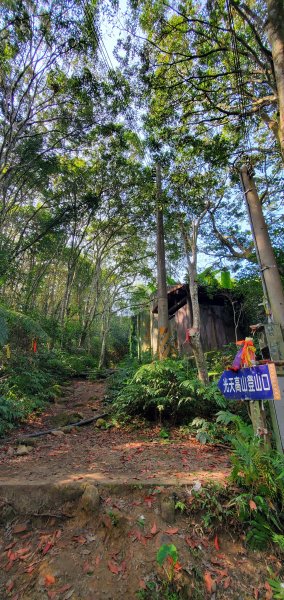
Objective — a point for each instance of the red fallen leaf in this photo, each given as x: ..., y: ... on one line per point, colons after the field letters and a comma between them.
x: 98, y: 560
x: 58, y: 533
x: 142, y: 584
x: 227, y: 583
x: 154, y: 529
x: 10, y: 546
x: 9, y: 586
x: 171, y: 530
x: 47, y: 547
x: 49, y: 580
x: 22, y: 551
x: 80, y: 539
x: 221, y: 572
x: 113, y: 567
x: 123, y: 566
x: 88, y: 568
x: 64, y: 588
x: 149, y: 501
x: 252, y: 505
x: 20, y: 528
x: 140, y: 537
x: 25, y: 556
x: 209, y: 582
x: 177, y: 566
x: 12, y: 555
x: 137, y: 535
x: 107, y: 521
x: 256, y: 593
x: 30, y: 568
x: 51, y: 595
x: 269, y: 593
x: 216, y: 543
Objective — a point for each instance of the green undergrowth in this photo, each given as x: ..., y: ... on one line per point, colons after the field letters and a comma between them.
x: 169, y: 393
x: 252, y: 502
x: 29, y: 379
x: 254, y: 499
x: 164, y: 391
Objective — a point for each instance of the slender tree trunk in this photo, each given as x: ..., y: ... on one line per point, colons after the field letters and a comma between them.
x: 163, y: 316
x: 190, y: 246
x: 105, y: 330
x: 275, y: 32
x: 90, y: 310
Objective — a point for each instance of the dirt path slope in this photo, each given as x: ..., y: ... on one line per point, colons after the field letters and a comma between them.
x: 83, y: 514
x: 124, y: 455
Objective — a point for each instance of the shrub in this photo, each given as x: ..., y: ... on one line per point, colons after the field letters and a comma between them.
x: 14, y: 408
x: 162, y: 390
x: 259, y: 473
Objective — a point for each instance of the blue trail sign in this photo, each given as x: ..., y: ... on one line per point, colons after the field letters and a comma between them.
x: 253, y: 383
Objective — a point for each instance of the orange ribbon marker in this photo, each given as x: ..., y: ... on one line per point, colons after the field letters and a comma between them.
x: 248, y: 352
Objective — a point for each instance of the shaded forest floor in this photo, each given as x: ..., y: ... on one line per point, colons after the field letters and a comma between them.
x: 53, y: 546
x: 123, y: 454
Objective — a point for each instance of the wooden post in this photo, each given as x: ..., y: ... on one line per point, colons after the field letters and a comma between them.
x: 259, y: 422
x: 163, y: 318
x: 271, y: 281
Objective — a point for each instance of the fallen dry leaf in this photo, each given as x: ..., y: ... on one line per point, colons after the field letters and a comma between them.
x: 191, y: 543
x: 149, y: 500
x: 47, y: 547
x: 88, y: 568
x: 209, y: 582
x: 171, y: 530
x: 49, y: 580
x: 252, y: 505
x: 64, y: 588
x: 20, y: 528
x: 154, y: 529
x: 9, y: 585
x: 216, y: 543
x: 269, y: 593
x: 113, y: 567
x: 227, y: 583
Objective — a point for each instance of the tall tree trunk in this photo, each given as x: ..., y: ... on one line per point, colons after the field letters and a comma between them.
x: 105, y: 330
x: 275, y: 32
x: 190, y: 246
x: 91, y: 307
x: 163, y: 316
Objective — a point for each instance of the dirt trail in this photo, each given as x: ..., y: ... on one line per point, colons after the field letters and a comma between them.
x: 123, y: 455
x: 54, y: 546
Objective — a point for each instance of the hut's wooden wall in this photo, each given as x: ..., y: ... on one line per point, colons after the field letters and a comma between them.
x: 217, y: 327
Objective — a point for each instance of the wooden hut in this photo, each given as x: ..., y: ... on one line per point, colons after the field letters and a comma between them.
x: 217, y: 320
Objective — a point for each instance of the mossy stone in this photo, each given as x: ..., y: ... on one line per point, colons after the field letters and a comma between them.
x: 64, y: 418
